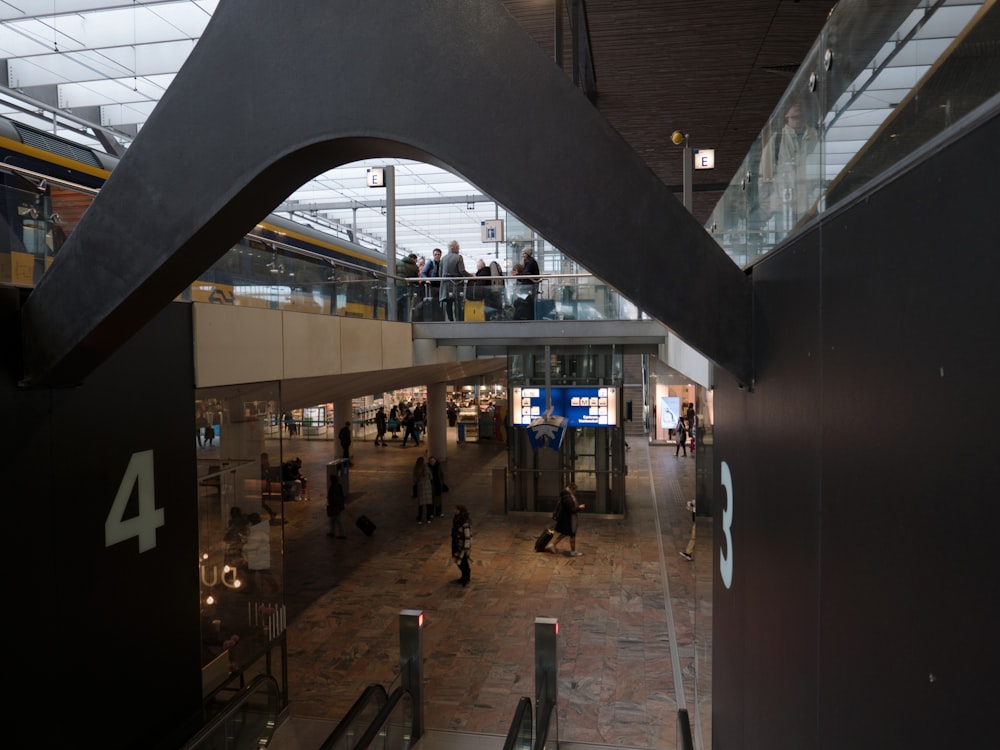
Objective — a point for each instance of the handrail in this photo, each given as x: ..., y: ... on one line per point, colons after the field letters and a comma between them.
x: 684, y: 738
x: 235, y: 711
x: 372, y: 692
x: 522, y: 718
x: 546, y: 708
x: 375, y: 728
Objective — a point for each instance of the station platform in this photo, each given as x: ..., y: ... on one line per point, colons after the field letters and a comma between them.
x: 634, y: 615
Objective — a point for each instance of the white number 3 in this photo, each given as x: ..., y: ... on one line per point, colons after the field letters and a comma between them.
x: 117, y: 528
x: 726, y: 556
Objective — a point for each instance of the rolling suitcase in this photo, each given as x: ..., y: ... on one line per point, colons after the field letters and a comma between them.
x: 365, y: 524
x: 543, y: 540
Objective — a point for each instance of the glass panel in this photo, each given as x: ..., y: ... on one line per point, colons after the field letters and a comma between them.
x: 240, y: 534
x: 875, y: 86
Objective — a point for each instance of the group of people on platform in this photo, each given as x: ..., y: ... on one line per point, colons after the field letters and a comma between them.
x: 442, y: 289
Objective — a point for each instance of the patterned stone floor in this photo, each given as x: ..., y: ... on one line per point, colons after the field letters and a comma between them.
x: 617, y: 636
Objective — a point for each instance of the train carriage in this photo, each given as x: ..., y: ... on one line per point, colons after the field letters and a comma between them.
x: 48, y: 183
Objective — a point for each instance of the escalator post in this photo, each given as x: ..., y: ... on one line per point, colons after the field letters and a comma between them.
x: 411, y: 623
x: 546, y: 661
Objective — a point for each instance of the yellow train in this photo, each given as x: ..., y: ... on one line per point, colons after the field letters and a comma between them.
x: 48, y: 182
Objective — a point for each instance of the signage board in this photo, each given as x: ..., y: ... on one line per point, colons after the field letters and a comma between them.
x: 375, y: 177
x: 582, y: 406
x: 704, y: 158
x: 492, y: 230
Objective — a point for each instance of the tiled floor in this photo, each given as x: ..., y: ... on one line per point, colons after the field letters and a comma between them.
x: 621, y: 647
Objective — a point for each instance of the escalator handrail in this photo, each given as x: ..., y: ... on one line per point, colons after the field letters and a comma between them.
x: 373, y: 691
x: 523, y: 707
x: 545, y: 713
x: 376, y: 726
x: 260, y: 682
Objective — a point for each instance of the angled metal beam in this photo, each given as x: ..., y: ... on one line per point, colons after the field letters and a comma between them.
x: 268, y: 100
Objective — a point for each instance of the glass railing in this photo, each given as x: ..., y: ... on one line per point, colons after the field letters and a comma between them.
x: 519, y: 734
x: 264, y: 271
x: 248, y: 721
x: 548, y: 725
x: 392, y: 729
x: 568, y: 296
x: 875, y: 86
x: 362, y: 714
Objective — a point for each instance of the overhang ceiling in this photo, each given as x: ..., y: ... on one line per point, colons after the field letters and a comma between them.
x: 713, y: 70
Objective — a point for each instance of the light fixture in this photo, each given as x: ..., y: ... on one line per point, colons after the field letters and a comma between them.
x: 680, y: 138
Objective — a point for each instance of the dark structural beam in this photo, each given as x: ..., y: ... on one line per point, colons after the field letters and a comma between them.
x: 268, y: 100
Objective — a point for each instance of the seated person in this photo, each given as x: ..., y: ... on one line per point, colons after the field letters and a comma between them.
x: 292, y: 481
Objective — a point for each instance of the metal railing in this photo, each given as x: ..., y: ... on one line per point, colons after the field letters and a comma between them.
x: 248, y: 721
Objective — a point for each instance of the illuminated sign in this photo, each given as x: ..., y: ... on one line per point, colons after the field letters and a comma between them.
x: 704, y: 158
x: 375, y: 177
x: 492, y: 230
x: 583, y: 406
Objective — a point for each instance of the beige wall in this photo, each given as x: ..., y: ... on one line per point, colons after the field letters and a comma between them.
x: 248, y: 345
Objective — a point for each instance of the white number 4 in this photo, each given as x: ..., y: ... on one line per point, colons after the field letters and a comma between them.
x: 117, y: 528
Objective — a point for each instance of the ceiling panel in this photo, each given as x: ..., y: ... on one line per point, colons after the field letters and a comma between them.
x: 715, y: 70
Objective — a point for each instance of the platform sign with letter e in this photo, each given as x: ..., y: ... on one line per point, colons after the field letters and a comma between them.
x: 375, y: 177
x: 492, y: 230
x: 704, y: 158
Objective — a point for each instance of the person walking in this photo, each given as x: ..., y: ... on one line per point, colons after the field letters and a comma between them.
x: 422, y: 489
x: 410, y: 429
x: 680, y: 434
x: 335, y: 503
x: 344, y: 436
x: 566, y: 516
x: 461, y: 543
x: 688, y: 552
x: 380, y: 426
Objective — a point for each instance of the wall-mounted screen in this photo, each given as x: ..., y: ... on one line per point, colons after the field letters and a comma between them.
x: 583, y: 406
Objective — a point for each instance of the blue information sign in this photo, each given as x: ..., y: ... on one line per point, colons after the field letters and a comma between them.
x: 582, y: 406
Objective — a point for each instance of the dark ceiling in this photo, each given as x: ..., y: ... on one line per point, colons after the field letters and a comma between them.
x: 713, y: 70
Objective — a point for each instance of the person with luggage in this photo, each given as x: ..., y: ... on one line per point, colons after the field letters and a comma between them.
x: 461, y: 543
x: 566, y: 516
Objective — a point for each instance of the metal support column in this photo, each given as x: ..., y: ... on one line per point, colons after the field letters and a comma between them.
x: 411, y: 623
x: 546, y: 672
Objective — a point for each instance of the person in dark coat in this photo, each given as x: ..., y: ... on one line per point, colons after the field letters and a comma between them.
x: 461, y: 543
x: 438, y: 485
x: 344, y: 436
x: 380, y: 426
x: 335, y: 503
x: 566, y: 515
